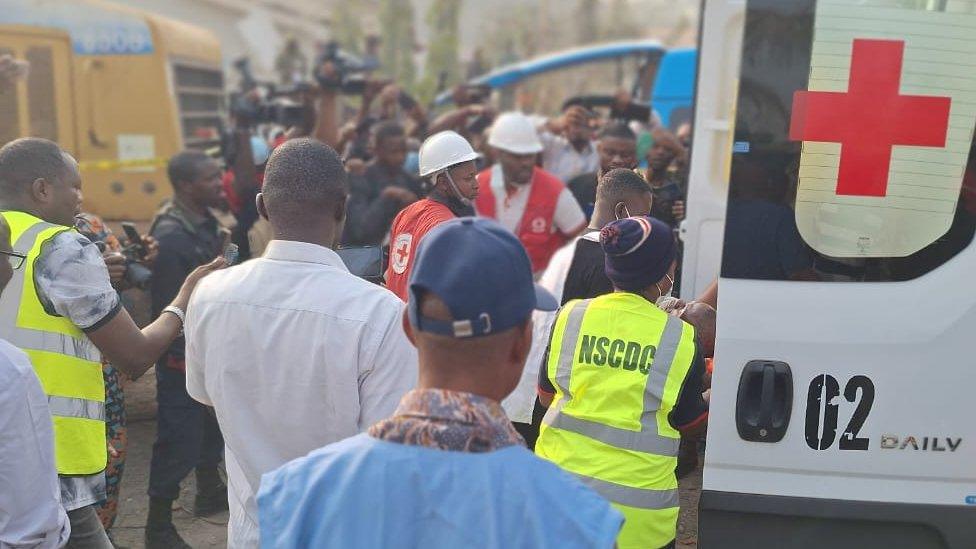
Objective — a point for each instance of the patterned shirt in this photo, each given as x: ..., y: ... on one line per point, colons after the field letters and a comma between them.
x: 96, y: 230
x: 448, y: 420
x: 72, y: 281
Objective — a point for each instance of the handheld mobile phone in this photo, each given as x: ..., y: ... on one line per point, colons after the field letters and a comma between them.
x: 230, y: 254
x: 366, y: 262
x: 135, y: 239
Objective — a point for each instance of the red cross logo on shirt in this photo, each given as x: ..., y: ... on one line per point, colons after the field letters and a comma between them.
x: 870, y: 118
x: 400, y: 252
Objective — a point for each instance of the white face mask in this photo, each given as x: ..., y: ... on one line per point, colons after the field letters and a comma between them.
x: 626, y: 211
x: 670, y: 287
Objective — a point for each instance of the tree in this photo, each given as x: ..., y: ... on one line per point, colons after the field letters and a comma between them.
x: 587, y: 17
x: 347, y: 26
x: 621, y: 23
x: 396, y: 54
x: 443, y: 63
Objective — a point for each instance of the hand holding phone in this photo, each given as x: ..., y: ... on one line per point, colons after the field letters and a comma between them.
x: 135, y: 239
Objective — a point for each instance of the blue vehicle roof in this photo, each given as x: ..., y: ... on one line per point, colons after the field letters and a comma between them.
x: 516, y: 72
x: 678, y: 66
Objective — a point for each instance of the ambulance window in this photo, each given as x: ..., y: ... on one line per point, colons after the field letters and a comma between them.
x: 813, y: 194
x: 8, y: 110
x: 40, y: 89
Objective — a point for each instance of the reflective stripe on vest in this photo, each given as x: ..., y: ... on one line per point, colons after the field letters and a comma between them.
x: 647, y: 439
x: 594, y: 428
x: 66, y: 362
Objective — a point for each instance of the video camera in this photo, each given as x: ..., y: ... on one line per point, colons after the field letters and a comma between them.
x: 348, y: 74
x: 274, y: 105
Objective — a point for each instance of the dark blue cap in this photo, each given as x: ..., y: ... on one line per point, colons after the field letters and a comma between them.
x: 483, y: 275
x: 640, y: 251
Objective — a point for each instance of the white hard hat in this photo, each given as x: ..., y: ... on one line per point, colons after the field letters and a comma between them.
x: 515, y: 133
x: 443, y: 150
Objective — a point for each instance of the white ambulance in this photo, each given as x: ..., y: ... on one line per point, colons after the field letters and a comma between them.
x: 833, y: 186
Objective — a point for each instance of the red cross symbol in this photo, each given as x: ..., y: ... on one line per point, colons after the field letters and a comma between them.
x: 870, y: 118
x: 401, y: 251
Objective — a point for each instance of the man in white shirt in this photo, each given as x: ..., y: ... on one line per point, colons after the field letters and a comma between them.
x: 525, y: 199
x: 291, y: 350
x: 568, y: 148
x: 30, y: 498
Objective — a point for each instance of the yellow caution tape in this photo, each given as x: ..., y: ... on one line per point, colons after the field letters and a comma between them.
x: 116, y: 164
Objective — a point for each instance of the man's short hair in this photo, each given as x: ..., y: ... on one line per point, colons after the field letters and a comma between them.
x: 25, y: 160
x: 618, y: 184
x: 304, y: 171
x: 386, y: 130
x: 185, y: 166
x: 617, y: 129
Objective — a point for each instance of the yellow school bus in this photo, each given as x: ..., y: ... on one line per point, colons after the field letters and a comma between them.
x: 121, y: 89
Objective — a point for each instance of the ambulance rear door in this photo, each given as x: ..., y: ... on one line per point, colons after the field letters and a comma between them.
x: 841, y: 400
x: 719, y: 43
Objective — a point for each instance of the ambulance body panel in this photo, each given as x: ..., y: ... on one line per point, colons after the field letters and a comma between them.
x: 840, y: 399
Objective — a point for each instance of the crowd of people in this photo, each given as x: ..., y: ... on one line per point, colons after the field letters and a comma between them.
x: 522, y: 354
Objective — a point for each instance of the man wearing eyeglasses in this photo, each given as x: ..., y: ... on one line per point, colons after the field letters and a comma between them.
x: 61, y: 310
x: 29, y: 493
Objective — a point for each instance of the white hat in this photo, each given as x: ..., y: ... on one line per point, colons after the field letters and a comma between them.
x: 515, y: 133
x: 443, y: 150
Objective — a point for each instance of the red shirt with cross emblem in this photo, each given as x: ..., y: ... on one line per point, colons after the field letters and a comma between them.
x: 409, y: 227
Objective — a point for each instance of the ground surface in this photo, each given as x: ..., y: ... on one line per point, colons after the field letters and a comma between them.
x: 212, y: 532
x: 134, y: 503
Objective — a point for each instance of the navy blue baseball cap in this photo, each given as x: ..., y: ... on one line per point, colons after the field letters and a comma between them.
x: 483, y: 275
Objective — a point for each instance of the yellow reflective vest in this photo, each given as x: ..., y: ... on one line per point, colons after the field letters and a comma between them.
x: 618, y: 363
x: 67, y: 363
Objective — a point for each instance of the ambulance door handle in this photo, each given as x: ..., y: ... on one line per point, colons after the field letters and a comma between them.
x: 766, y: 397
x: 765, y: 401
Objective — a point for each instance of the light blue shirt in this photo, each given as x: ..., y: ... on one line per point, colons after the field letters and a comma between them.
x: 367, y: 493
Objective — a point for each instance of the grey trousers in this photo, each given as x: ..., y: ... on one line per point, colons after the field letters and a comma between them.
x: 86, y: 530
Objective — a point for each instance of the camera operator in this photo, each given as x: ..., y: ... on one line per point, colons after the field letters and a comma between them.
x: 187, y: 436
x: 73, y: 316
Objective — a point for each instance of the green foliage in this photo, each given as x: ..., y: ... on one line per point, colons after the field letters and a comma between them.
x: 442, y: 18
x: 347, y: 26
x: 396, y: 54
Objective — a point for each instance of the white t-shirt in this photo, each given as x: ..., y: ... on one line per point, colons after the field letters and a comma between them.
x: 293, y: 353
x: 561, y: 158
x: 520, y: 404
x: 509, y: 209
x: 30, y: 499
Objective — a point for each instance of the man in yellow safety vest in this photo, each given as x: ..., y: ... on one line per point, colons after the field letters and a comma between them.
x: 622, y: 380
x: 62, y: 311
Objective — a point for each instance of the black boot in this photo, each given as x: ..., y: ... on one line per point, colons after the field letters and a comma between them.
x: 160, y: 532
x: 687, y: 458
x: 211, y: 495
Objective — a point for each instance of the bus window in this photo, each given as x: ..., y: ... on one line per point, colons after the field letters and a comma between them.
x: 811, y: 196
x: 200, y: 94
